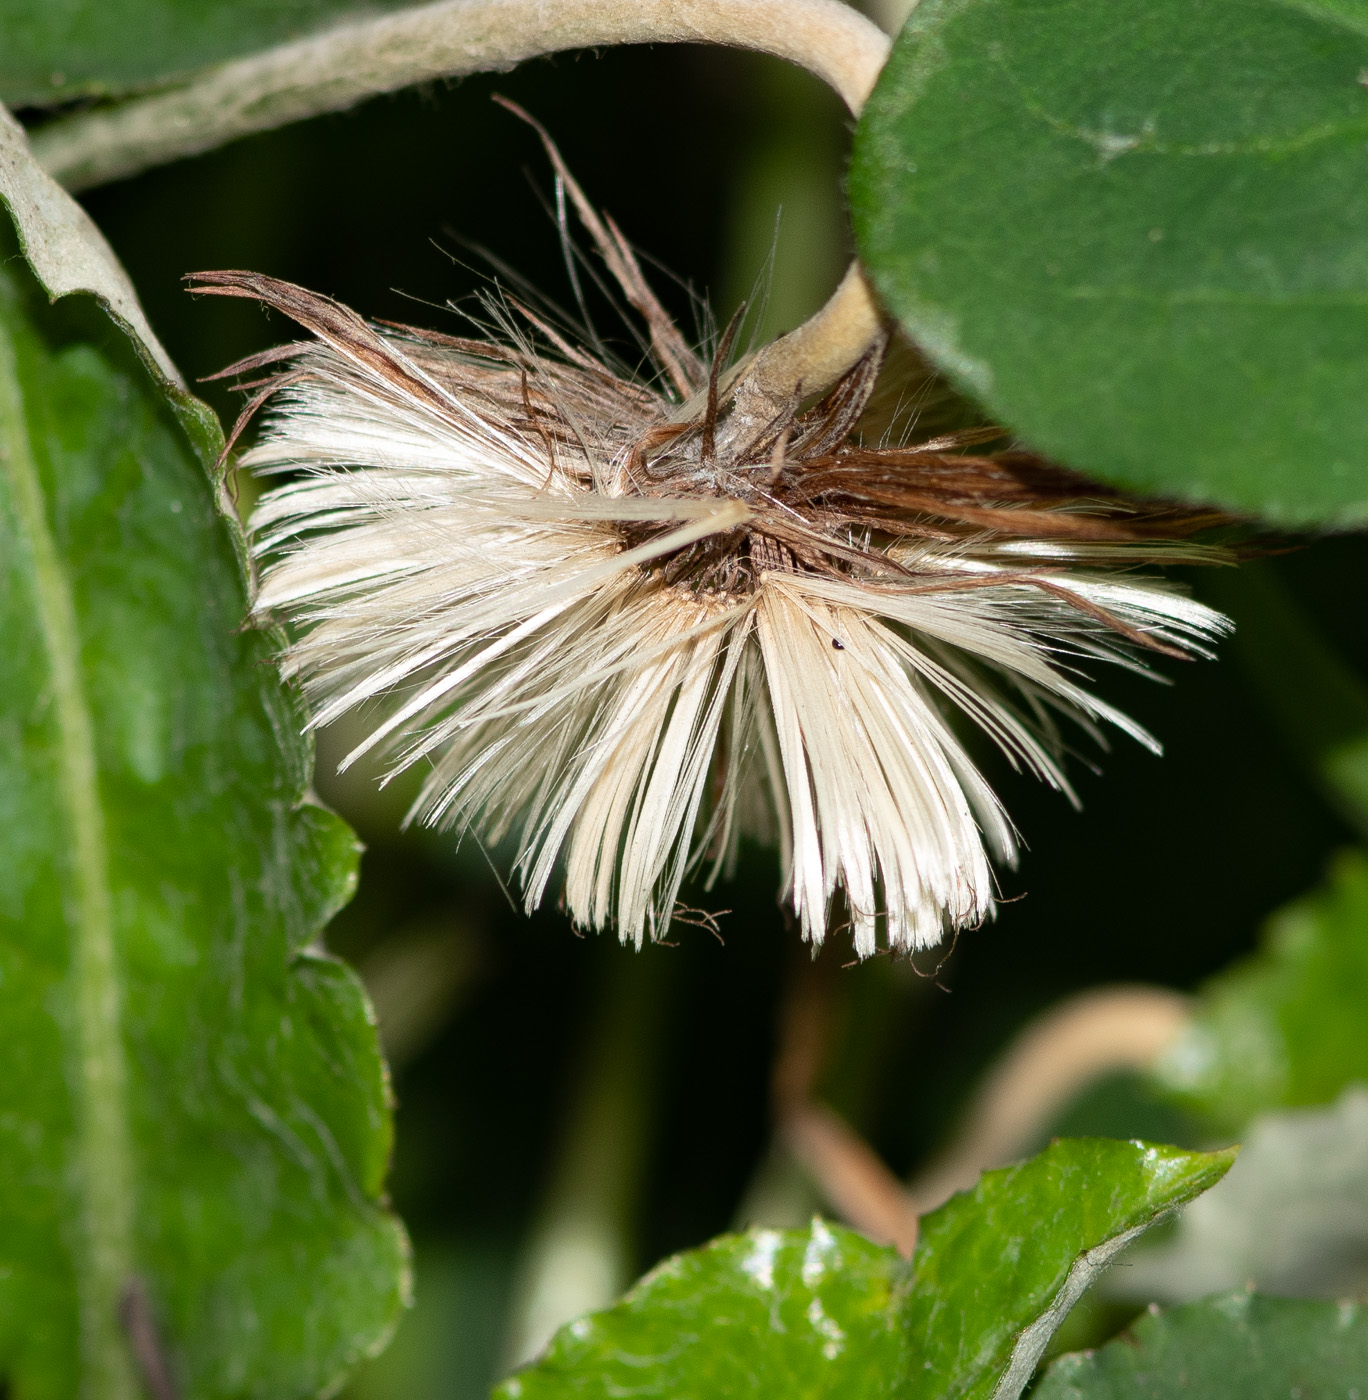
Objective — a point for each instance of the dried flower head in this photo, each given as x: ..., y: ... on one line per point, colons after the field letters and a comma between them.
x: 626, y: 619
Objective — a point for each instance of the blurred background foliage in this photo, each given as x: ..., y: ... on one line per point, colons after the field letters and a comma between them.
x: 568, y: 1109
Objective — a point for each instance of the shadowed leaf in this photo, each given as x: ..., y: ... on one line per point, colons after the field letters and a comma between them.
x: 54, y: 52
x: 1237, y: 1347
x: 190, y: 1089
x: 1136, y: 232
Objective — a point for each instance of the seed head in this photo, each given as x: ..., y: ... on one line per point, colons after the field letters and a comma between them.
x: 627, y: 619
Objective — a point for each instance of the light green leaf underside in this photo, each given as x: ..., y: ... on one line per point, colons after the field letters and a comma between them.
x: 55, y: 51
x: 1237, y: 1347
x: 824, y: 1313
x: 1138, y: 233
x: 1289, y: 1219
x: 68, y: 254
x: 189, y: 1091
x: 1286, y: 1026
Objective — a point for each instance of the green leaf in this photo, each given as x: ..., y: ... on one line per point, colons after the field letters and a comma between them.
x: 67, y: 253
x: 768, y: 1313
x: 1237, y: 1347
x: 823, y: 1312
x: 190, y: 1089
x: 1136, y: 231
x: 53, y: 52
x: 1286, y: 1026
x: 1289, y: 1218
x: 999, y: 1267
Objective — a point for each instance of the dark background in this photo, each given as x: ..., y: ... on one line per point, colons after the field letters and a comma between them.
x: 1164, y: 875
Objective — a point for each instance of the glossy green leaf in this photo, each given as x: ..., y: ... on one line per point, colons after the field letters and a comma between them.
x: 1289, y: 1219
x: 1138, y: 233
x: 823, y: 1312
x: 772, y: 1312
x: 191, y: 1095
x: 1237, y: 1347
x: 999, y: 1267
x: 54, y: 51
x: 1286, y: 1026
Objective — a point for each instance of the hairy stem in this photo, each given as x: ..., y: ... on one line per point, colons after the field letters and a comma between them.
x: 104, y: 1257
x: 813, y: 357
x: 66, y: 251
x: 452, y: 38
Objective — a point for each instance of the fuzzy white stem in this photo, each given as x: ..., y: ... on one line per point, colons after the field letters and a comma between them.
x: 813, y: 357
x: 344, y: 66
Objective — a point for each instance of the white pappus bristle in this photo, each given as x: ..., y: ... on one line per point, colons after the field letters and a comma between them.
x: 625, y: 624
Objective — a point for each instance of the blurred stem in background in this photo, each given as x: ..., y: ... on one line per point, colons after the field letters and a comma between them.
x: 834, y: 1028
x: 417, y: 978
x: 580, y: 1252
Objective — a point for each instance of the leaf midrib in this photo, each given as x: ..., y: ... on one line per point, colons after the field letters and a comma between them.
x: 105, y: 1258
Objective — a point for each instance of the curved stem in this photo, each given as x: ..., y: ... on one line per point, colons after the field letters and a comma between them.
x: 452, y: 38
x: 810, y: 359
x: 1062, y: 1052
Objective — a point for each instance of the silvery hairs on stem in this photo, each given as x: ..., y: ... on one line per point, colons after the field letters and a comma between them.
x: 628, y: 618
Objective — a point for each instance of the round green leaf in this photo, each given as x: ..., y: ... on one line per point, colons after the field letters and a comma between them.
x: 1138, y: 233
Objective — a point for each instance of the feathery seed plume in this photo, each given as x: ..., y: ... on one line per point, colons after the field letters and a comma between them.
x: 627, y: 620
